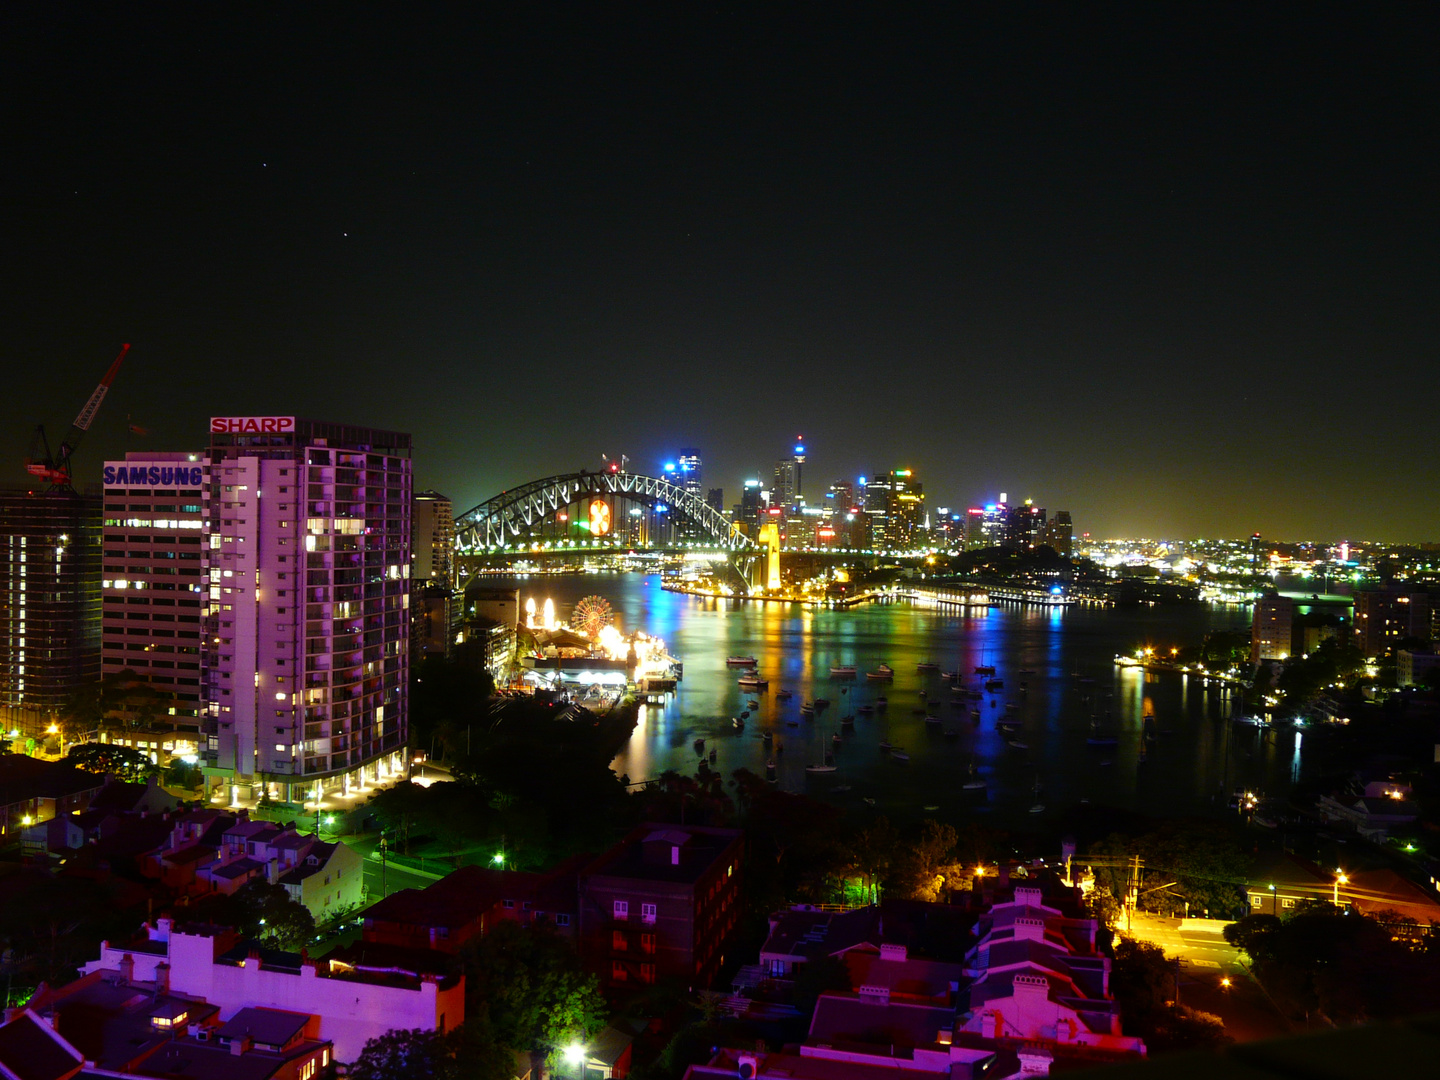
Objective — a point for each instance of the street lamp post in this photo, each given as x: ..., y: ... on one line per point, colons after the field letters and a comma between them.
x: 1340, y: 879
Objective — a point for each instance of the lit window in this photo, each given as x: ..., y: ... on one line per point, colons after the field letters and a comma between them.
x: 647, y: 912
x: 622, y: 909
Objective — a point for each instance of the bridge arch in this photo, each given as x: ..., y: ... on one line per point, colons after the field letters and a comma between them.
x: 507, y: 517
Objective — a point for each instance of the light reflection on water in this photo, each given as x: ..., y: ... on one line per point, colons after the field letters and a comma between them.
x: 1183, y: 769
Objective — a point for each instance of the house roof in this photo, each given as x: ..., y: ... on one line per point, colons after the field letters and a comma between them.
x: 32, y: 1050
x: 847, y: 1019
x: 266, y: 1027
x: 23, y: 778
x: 911, y: 976
x: 822, y: 933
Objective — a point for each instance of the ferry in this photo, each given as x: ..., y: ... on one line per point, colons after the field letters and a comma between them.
x: 739, y: 661
x: 884, y: 671
x: 843, y: 671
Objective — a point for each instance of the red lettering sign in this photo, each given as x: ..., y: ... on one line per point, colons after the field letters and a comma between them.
x: 251, y: 425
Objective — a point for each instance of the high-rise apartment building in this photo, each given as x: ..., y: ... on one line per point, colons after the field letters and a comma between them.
x: 715, y: 499
x: 153, y: 582
x: 49, y: 602
x: 308, y: 649
x: 432, y: 585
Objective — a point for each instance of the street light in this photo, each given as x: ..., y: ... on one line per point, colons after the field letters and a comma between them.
x: 1340, y: 879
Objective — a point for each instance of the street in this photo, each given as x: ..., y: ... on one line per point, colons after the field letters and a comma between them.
x: 1206, y: 960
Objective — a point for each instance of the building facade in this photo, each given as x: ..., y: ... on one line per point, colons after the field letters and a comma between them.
x: 49, y: 602
x: 663, y: 903
x: 308, y: 650
x: 153, y: 587
x: 432, y: 576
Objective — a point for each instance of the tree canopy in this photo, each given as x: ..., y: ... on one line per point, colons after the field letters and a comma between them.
x: 124, y: 761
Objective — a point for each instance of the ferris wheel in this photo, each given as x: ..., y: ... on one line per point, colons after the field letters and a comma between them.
x: 591, y: 615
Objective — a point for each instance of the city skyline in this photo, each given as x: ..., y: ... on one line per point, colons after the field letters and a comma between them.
x: 1172, y: 272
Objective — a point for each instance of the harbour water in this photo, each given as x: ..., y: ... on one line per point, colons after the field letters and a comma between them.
x: 1195, y: 759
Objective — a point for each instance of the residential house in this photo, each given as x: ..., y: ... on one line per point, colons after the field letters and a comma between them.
x: 34, y: 791
x: 212, y: 964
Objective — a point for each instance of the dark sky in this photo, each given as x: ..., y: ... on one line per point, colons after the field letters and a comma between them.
x: 1172, y: 269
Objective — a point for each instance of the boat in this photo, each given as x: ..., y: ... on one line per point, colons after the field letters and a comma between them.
x: 1019, y: 744
x: 973, y: 785
x: 884, y: 671
x: 868, y: 801
x: 714, y: 754
x: 882, y: 702
x: 768, y: 738
x: 952, y: 733
x: 739, y: 661
x: 950, y: 676
x: 843, y: 671
x: 923, y: 695
x: 985, y: 669
x: 927, y: 665
x: 958, y: 705
x: 975, y: 715
x: 783, y: 695
x: 1026, y: 671
x: 1011, y: 706
x: 754, y: 682
x: 700, y: 744
x: 1038, y: 808
x: 886, y: 744
x: 994, y: 684
x: 933, y: 720
x: 807, y: 708
x: 836, y: 739
x: 739, y: 724
x: 792, y: 723
x: 865, y: 710
x: 820, y: 768
x: 744, y: 714
x: 847, y: 721
x: 822, y: 703
x: 899, y: 755
x: 1103, y: 740
x: 752, y: 705
x: 770, y: 771
x: 932, y: 808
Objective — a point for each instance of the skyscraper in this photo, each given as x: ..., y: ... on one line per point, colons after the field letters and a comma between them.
x: 49, y: 602
x: 432, y: 586
x: 690, y: 471
x: 788, y: 488
x: 309, y: 605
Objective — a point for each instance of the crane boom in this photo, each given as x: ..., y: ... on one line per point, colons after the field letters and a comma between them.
x: 87, y: 414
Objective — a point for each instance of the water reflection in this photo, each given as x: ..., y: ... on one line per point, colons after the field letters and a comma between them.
x: 1074, y: 682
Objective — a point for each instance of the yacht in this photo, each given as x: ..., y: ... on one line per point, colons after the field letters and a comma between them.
x: 843, y: 671
x: 883, y: 671
x: 739, y: 661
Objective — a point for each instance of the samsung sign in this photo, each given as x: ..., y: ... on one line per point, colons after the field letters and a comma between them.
x: 251, y: 425
x: 167, y: 474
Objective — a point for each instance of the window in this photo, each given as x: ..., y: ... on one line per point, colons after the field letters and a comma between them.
x: 508, y: 905
x: 647, y: 973
x: 307, y: 1070
x: 674, y: 854
x: 562, y: 920
x: 647, y: 912
x: 1257, y: 900
x: 618, y: 941
x: 617, y: 971
x: 622, y: 909
x: 647, y: 944
x: 1289, y: 901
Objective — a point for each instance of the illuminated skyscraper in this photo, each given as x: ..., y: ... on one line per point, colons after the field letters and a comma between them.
x: 788, y: 488
x: 690, y: 472
x: 309, y: 624
x: 49, y: 602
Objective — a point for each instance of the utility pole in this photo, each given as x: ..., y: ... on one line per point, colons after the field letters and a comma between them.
x: 382, y: 868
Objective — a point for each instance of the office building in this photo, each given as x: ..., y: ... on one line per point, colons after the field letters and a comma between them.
x: 1059, y: 534
x: 309, y: 629
x: 1024, y: 527
x: 715, y: 499
x: 153, y: 589
x: 750, y: 508
x: 789, y: 488
x: 432, y: 576
x: 690, y: 471
x: 49, y: 602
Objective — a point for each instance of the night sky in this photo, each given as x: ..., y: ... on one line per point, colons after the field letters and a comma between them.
x: 1174, y: 269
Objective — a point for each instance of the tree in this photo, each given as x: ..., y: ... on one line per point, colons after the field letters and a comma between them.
x: 402, y: 1054
x: 124, y: 761
x: 261, y: 912
x: 530, y: 982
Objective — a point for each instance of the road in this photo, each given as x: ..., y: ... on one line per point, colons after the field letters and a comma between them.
x: 1206, y: 962
x: 391, y: 878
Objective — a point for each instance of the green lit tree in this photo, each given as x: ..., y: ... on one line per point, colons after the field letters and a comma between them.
x: 402, y: 1054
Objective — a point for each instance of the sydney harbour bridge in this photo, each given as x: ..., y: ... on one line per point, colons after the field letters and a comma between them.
x: 584, y: 514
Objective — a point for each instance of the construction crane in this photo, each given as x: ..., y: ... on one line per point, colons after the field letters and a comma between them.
x: 54, y: 468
